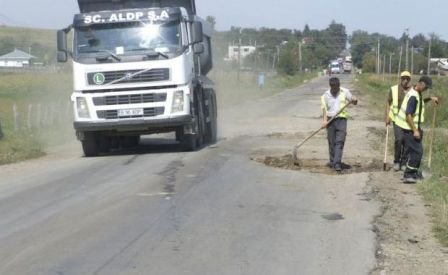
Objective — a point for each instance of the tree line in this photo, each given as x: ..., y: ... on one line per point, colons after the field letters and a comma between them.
x: 290, y: 51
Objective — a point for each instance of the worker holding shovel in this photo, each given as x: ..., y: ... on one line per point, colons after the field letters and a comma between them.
x: 334, y: 103
x: 393, y: 104
x: 409, y: 119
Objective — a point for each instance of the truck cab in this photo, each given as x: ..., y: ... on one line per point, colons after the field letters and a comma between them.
x: 139, y: 67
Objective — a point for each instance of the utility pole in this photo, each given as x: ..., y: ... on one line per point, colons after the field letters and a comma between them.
x: 429, y: 56
x: 407, y: 49
x: 239, y: 59
x: 399, y: 60
x: 384, y: 66
x: 300, y: 56
x: 390, y: 63
x: 407, y: 54
x: 412, y: 59
x: 378, y: 69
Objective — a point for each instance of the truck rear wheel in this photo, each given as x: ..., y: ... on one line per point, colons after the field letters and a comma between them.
x: 211, y: 128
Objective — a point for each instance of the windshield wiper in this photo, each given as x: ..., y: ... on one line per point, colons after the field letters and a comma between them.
x: 104, y: 55
x: 151, y: 53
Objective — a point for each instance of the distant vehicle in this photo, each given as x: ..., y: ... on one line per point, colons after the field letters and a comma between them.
x: 335, y: 67
x: 347, y: 64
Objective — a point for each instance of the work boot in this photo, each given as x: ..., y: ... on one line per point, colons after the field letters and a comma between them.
x: 338, y: 167
x: 409, y: 179
x: 420, y: 175
x: 397, y: 167
x: 329, y: 165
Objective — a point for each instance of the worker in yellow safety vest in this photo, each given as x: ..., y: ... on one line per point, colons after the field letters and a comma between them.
x: 332, y: 102
x: 410, y: 117
x: 393, y: 104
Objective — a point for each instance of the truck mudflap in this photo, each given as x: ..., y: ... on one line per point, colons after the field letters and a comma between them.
x: 133, y: 124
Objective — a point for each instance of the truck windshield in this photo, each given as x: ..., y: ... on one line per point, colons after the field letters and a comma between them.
x: 130, y: 38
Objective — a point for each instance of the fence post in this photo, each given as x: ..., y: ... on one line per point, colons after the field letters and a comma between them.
x: 38, y: 116
x: 16, y: 117
x: 1, y: 132
x: 29, y: 123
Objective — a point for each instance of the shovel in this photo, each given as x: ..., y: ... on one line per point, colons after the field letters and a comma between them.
x: 385, y: 149
x: 431, y: 140
x: 295, y: 151
x: 427, y: 173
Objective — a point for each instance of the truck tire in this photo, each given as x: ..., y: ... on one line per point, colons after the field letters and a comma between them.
x: 211, y: 128
x: 188, y: 142
x: 200, y: 117
x: 90, y: 145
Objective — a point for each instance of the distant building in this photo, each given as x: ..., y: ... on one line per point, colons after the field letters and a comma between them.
x: 242, y: 52
x: 16, y: 59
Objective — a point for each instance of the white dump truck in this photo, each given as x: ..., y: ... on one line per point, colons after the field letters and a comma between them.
x: 347, y: 64
x: 139, y: 67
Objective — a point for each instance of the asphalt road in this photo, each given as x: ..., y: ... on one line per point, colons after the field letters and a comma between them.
x: 214, y: 211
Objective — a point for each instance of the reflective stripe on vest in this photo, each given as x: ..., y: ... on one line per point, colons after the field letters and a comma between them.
x: 400, y: 119
x: 393, y: 111
x: 342, y: 101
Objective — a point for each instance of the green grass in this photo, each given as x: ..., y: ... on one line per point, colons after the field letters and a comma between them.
x: 233, y: 91
x: 50, y: 118
x: 435, y: 188
x: 27, y: 36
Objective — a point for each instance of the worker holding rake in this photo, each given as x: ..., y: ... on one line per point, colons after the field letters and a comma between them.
x: 334, y: 103
x: 409, y: 119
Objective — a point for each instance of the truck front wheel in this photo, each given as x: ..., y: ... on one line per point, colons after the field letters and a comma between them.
x: 188, y: 142
x: 90, y: 145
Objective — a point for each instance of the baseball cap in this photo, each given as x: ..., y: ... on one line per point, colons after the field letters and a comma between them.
x: 427, y: 80
x: 405, y: 74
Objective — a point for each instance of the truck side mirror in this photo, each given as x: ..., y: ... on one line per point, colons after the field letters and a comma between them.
x: 62, y: 46
x: 198, y: 35
x: 198, y: 48
x: 62, y: 57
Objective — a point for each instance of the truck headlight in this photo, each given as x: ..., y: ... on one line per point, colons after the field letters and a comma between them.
x: 178, y: 102
x: 82, y: 108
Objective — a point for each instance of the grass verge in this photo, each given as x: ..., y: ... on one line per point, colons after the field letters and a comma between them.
x: 435, y: 188
x: 34, y: 113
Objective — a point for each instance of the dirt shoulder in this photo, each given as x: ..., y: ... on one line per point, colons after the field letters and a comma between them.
x: 406, y: 241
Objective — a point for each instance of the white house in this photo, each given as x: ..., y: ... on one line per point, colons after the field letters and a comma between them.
x: 244, y: 51
x: 15, y: 59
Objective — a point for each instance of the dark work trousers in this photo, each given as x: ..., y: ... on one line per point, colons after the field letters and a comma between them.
x: 415, y: 150
x: 401, y: 154
x: 336, y: 132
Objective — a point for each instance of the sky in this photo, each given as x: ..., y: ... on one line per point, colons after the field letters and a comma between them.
x: 390, y: 17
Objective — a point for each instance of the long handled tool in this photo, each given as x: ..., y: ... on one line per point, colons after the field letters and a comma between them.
x: 385, y: 149
x: 295, y: 151
x: 433, y: 127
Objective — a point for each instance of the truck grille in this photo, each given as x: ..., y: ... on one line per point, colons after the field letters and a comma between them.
x: 129, y: 99
x: 147, y: 112
x: 147, y: 76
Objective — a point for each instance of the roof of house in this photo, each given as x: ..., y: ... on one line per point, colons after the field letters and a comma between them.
x: 17, y: 55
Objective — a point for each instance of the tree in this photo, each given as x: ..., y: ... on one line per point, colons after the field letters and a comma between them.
x: 306, y: 30
x: 288, y: 58
x: 211, y: 20
x: 360, y: 45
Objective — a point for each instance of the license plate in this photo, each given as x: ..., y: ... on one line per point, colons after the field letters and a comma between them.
x: 130, y: 112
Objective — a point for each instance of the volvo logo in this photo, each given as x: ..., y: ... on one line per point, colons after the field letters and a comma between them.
x: 128, y: 76
x: 98, y: 78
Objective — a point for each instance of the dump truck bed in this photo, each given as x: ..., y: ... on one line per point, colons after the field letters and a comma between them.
x: 103, y: 5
